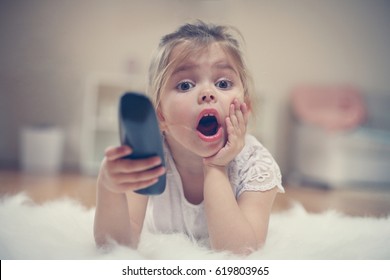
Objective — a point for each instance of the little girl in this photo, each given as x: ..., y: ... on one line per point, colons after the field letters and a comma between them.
x: 221, y: 182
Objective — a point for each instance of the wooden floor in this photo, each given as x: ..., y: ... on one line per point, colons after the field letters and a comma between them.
x: 352, y: 201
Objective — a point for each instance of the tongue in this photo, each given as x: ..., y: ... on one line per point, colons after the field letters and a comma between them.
x: 208, y: 126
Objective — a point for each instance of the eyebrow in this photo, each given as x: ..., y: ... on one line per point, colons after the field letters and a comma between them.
x: 184, y: 67
x: 224, y: 65
x: 220, y: 65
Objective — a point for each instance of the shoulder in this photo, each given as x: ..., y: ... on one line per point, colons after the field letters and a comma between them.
x: 254, y: 169
x: 253, y: 152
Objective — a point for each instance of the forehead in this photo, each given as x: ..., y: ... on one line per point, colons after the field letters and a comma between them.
x: 186, y: 55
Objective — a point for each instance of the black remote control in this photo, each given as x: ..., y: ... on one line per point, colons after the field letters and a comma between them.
x: 138, y: 128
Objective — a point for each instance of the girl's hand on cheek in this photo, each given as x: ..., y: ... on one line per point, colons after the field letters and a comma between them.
x: 236, y: 124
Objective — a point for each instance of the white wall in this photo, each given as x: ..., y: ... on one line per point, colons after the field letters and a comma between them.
x: 49, y: 48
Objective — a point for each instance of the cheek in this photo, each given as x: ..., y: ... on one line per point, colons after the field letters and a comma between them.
x: 237, y: 93
x: 176, y: 115
x: 240, y: 96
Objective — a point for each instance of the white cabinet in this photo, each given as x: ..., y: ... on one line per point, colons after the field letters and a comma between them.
x: 100, y: 121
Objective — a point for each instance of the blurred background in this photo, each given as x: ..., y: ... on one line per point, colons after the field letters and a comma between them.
x: 321, y: 72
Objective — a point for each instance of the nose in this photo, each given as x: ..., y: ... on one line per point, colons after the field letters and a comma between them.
x: 207, y: 96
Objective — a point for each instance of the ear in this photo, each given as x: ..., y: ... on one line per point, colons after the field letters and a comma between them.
x: 161, y: 119
x: 248, y: 103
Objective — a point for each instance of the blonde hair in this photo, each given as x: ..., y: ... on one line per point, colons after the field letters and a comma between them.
x: 196, y: 36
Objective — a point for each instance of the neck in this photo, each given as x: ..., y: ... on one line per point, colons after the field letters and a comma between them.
x: 185, y: 160
x: 190, y: 168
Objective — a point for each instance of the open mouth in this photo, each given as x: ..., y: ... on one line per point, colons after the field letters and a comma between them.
x: 208, y: 125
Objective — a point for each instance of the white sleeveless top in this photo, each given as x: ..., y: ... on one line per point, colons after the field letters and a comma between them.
x: 253, y: 169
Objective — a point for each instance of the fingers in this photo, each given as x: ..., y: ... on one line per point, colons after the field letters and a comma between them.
x: 238, y: 117
x: 126, y: 187
x: 141, y: 176
x: 128, y: 175
x: 134, y: 165
x: 122, y: 175
x: 245, y: 112
x: 113, y: 153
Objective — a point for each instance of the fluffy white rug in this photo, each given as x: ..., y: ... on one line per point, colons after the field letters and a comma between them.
x: 62, y: 229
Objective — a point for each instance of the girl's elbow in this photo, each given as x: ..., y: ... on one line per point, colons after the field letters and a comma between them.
x: 243, y: 248
x: 251, y: 248
x: 101, y: 240
x: 252, y: 245
x: 104, y: 240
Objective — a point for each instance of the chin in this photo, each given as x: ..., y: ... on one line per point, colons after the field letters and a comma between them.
x: 211, y: 149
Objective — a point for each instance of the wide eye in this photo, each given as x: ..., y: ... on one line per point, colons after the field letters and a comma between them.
x: 224, y: 84
x: 185, y: 86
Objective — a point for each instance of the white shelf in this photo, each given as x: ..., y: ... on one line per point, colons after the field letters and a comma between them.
x: 100, y: 124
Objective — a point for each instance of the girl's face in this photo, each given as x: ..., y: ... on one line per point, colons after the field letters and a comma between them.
x: 196, y: 99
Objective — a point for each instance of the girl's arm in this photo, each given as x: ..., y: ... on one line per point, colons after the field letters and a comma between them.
x: 237, y: 226
x: 112, y: 220
x: 119, y: 211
